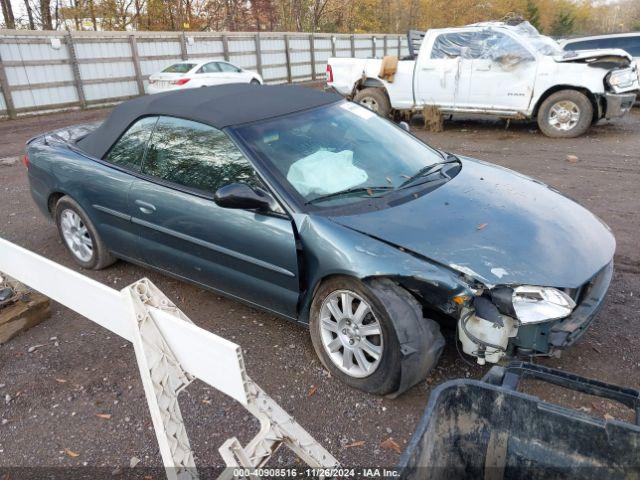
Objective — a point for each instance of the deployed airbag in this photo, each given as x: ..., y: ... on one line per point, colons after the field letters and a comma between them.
x: 325, y: 172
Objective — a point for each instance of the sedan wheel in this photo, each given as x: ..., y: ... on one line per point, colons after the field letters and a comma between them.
x: 76, y: 235
x: 351, y: 335
x: 80, y: 236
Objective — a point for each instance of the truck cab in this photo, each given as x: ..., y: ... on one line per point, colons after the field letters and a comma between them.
x: 498, y: 69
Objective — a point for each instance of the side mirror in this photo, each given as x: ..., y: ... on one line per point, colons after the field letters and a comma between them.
x: 241, y: 195
x: 404, y: 126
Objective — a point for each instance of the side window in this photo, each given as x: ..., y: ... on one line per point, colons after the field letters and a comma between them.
x: 129, y: 148
x: 195, y: 156
x: 211, y: 67
x: 451, y: 45
x: 227, y: 67
x: 501, y: 48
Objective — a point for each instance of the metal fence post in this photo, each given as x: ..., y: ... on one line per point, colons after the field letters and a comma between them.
x: 399, y: 47
x: 76, y: 70
x: 288, y: 56
x: 373, y: 46
x: 6, y: 92
x: 256, y: 39
x: 333, y: 45
x: 225, y: 47
x: 183, y: 47
x: 385, y: 45
x: 312, y: 55
x: 353, y: 45
x: 135, y: 56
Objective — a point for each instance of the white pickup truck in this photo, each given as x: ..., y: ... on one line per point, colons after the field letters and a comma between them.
x: 495, y: 68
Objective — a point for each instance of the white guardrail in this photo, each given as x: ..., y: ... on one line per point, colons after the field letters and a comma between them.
x: 171, y: 352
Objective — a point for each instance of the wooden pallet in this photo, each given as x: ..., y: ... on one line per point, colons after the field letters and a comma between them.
x: 28, y: 310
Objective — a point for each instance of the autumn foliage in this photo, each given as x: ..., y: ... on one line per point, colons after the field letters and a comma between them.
x: 554, y: 17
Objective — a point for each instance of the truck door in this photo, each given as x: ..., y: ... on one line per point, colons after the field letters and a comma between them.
x: 503, y: 73
x: 440, y: 72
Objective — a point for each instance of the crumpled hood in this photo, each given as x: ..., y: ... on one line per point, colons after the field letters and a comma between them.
x: 497, y: 226
x: 587, y: 55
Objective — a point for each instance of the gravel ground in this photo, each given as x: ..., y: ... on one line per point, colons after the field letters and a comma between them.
x: 50, y: 398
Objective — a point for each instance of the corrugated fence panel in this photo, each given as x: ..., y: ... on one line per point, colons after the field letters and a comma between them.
x: 106, y: 91
x: 96, y: 71
x: 156, y: 47
x: 208, y: 46
x: 102, y: 50
x: 41, y: 74
x: 43, y: 97
x: 242, y: 52
x: 33, y: 74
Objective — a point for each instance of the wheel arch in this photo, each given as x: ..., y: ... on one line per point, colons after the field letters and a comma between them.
x: 52, y: 200
x: 595, y: 103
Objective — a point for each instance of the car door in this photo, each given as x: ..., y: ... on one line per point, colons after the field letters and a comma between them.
x: 107, y: 185
x: 503, y: 73
x: 438, y: 70
x: 210, y: 74
x: 232, y: 74
x: 248, y: 254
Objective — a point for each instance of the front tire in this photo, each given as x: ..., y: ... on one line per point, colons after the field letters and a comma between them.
x: 354, y: 337
x: 80, y: 236
x: 375, y: 99
x: 565, y: 114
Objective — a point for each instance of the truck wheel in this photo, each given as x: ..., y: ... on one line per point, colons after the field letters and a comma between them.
x: 80, y: 236
x: 375, y: 99
x: 565, y: 114
x: 354, y: 330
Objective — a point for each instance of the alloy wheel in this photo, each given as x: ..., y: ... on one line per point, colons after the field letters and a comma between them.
x: 564, y: 115
x: 76, y: 235
x: 351, y: 334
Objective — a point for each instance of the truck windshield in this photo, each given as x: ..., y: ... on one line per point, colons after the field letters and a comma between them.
x: 544, y: 45
x: 339, y: 153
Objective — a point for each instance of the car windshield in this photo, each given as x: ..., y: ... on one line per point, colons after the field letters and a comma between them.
x: 340, y: 153
x: 179, y: 68
x: 544, y: 45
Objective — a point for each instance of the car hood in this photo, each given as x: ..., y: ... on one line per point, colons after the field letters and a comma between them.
x: 496, y: 226
x: 589, y: 56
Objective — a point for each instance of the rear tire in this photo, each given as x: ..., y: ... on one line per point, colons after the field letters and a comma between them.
x: 254, y: 81
x: 79, y: 236
x: 565, y: 114
x: 375, y: 99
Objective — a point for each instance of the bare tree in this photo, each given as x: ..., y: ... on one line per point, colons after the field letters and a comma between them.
x: 32, y: 23
x: 7, y: 13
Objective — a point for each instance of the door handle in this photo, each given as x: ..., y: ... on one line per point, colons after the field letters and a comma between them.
x: 145, y: 207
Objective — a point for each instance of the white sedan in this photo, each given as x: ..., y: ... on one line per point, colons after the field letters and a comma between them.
x: 204, y: 73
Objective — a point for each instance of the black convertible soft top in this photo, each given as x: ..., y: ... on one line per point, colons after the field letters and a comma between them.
x: 220, y: 106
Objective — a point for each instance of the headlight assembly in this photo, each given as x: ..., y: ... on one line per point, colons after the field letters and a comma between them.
x: 533, y: 304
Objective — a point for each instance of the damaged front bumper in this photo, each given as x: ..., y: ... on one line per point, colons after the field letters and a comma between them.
x: 491, y: 336
x: 549, y: 337
x: 618, y: 104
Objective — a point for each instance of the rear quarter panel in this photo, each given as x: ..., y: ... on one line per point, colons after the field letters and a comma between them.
x: 101, y: 190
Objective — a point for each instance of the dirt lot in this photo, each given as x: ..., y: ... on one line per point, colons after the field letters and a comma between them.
x: 50, y: 397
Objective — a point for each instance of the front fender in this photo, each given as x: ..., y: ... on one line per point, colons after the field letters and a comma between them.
x: 331, y: 249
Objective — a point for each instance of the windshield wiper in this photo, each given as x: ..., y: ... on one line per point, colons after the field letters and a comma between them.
x: 429, y: 169
x: 349, y: 191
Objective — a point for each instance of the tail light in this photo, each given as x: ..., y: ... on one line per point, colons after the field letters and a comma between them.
x: 182, y: 81
x: 25, y: 161
x: 329, y: 74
